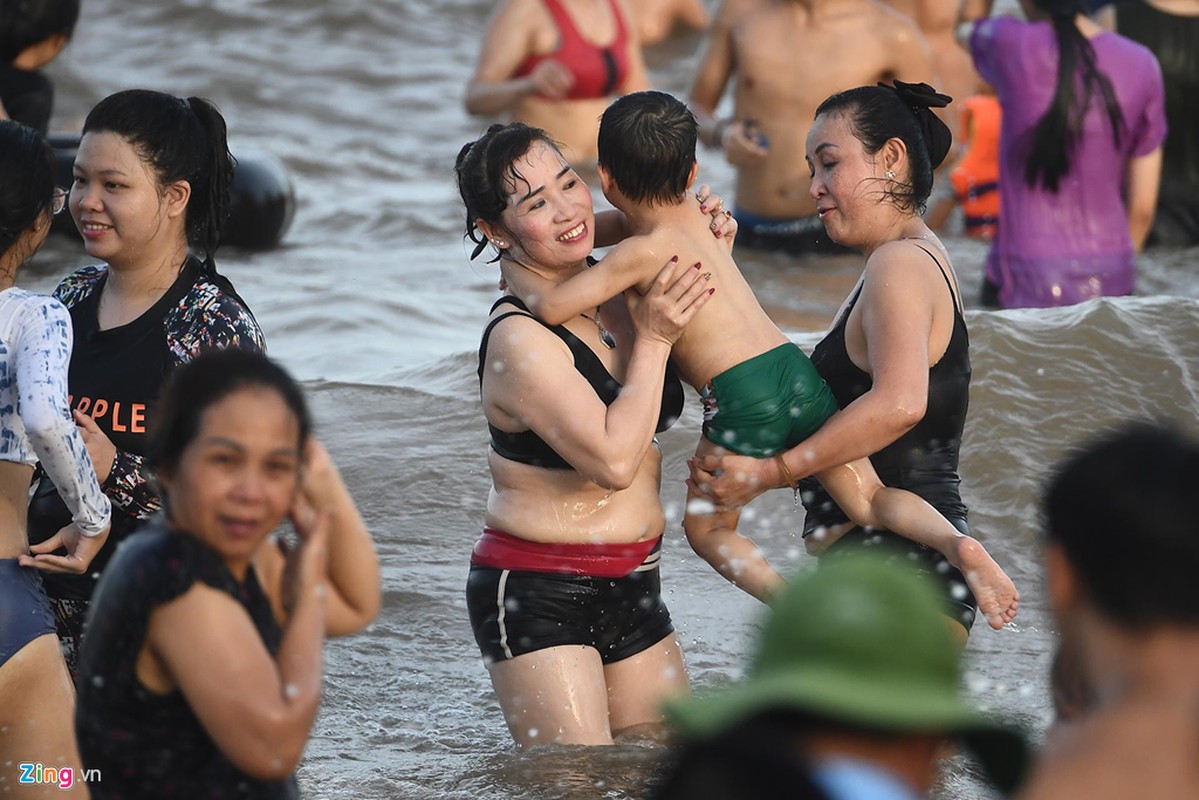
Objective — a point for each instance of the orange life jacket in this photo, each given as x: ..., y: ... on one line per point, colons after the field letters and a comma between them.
x: 975, y: 179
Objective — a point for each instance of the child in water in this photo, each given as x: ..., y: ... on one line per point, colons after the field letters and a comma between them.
x: 761, y: 394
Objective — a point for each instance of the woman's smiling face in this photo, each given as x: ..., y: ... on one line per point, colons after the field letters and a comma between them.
x: 549, y: 215
x: 117, y: 202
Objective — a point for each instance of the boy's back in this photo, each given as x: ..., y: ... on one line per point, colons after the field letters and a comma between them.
x: 732, y: 327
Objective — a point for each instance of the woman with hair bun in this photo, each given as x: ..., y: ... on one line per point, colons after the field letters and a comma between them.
x: 898, y: 356
x: 1080, y: 154
x: 150, y: 198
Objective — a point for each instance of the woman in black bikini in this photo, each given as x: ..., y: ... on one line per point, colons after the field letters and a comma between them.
x: 564, y: 594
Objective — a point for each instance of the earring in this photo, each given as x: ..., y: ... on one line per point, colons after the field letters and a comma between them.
x: 499, y: 243
x: 889, y: 175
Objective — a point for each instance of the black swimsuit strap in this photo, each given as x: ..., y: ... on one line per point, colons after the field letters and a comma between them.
x: 952, y: 295
x: 586, y: 361
x: 487, y: 334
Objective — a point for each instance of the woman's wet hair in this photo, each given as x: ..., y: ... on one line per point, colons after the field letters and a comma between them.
x: 1056, y: 134
x: 1123, y: 512
x: 877, y: 114
x: 24, y: 23
x: 486, y: 167
x: 182, y: 140
x: 26, y: 181
x: 647, y: 145
x: 201, y: 383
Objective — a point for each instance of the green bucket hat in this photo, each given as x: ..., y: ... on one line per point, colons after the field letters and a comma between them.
x: 865, y: 643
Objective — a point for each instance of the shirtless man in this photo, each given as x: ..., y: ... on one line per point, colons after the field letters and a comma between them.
x: 1134, y: 620
x: 785, y: 57
x: 656, y: 19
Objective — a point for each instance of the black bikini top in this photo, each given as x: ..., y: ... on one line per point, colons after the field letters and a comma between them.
x: 526, y: 447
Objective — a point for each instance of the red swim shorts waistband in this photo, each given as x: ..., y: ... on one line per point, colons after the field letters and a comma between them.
x: 500, y: 550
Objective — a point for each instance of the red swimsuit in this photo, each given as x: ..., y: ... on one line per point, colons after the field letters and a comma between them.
x: 597, y: 70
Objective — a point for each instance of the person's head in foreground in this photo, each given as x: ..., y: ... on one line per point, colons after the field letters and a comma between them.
x: 856, y: 675
x: 1129, y: 492
x: 227, y: 449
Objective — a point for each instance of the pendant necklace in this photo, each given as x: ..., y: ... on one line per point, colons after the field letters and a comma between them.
x: 604, y: 334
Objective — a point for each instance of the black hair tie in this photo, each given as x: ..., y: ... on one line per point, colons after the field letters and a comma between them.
x: 922, y: 98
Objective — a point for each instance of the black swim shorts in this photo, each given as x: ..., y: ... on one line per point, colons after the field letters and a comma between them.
x: 515, y: 612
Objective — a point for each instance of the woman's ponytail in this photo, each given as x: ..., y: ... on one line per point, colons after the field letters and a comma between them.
x: 208, y: 213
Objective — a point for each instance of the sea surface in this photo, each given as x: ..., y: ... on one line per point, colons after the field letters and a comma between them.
x: 373, y: 302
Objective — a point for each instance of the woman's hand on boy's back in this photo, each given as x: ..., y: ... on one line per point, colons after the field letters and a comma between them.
x: 723, y: 225
x: 676, y: 294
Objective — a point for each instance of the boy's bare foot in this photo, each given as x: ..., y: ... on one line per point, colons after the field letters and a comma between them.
x: 996, y: 594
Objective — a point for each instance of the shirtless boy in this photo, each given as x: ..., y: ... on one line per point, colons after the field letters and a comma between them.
x: 784, y: 58
x: 761, y: 394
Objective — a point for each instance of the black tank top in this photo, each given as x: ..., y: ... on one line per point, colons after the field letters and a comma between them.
x: 925, y: 459
x: 526, y: 447
x: 1174, y: 39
